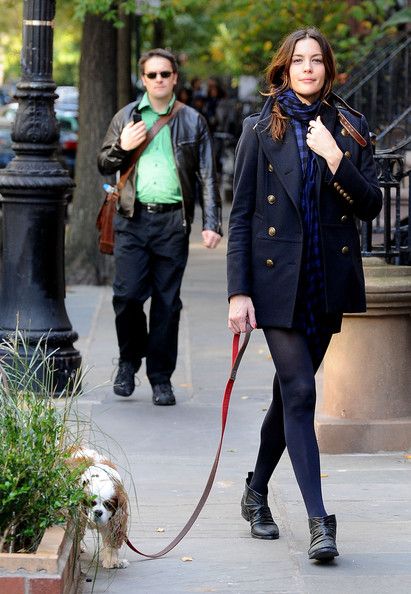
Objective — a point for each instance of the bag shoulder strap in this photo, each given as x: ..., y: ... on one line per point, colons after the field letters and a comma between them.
x: 160, y: 123
x: 344, y: 121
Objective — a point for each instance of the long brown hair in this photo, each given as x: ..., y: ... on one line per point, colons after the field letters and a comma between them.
x: 277, y: 73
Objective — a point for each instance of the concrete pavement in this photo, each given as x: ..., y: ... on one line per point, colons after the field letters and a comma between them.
x: 165, y: 455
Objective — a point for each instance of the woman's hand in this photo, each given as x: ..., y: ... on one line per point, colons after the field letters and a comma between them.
x: 133, y: 135
x: 321, y: 141
x: 241, y: 313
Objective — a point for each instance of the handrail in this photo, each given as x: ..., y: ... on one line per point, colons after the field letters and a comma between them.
x: 377, y: 68
x: 397, y: 147
x: 394, y: 124
x: 379, y: 53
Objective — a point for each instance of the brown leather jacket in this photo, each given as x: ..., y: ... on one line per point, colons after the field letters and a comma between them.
x: 193, y: 153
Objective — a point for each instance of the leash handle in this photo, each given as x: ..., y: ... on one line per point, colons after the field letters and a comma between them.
x: 237, y: 353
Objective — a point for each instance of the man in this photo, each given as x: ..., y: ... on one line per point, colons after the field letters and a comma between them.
x: 153, y: 222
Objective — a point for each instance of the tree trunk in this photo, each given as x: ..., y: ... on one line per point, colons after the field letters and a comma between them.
x: 125, y: 92
x: 158, y: 33
x: 98, y: 103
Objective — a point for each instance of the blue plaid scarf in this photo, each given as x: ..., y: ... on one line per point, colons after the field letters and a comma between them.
x: 300, y: 115
x: 310, y: 305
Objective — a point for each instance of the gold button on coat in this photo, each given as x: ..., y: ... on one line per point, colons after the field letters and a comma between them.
x: 347, y: 154
x: 271, y: 199
x: 269, y: 263
x: 344, y: 219
x: 270, y: 168
x: 345, y: 250
x: 344, y: 132
x: 351, y: 202
x: 272, y: 231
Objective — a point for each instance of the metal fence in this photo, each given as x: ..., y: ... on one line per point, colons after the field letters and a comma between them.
x: 381, y: 87
x: 389, y: 235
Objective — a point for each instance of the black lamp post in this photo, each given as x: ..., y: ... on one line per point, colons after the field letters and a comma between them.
x: 34, y: 188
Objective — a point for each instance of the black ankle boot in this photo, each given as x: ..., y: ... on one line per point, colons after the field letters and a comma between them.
x: 323, y: 532
x: 254, y: 509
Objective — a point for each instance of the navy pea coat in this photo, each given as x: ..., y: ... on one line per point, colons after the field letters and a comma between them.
x: 265, y: 240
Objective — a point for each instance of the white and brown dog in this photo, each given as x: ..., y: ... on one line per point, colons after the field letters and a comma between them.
x: 109, y: 509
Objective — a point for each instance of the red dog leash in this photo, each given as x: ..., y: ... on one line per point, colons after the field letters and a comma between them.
x: 237, y: 354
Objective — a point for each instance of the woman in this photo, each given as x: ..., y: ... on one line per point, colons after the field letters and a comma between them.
x: 294, y: 263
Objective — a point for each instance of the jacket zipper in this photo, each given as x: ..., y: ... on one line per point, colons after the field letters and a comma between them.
x: 183, y: 210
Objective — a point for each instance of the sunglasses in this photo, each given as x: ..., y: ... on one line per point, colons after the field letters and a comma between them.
x: 163, y: 74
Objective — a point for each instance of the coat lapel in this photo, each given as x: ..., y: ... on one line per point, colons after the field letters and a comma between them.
x: 285, y: 159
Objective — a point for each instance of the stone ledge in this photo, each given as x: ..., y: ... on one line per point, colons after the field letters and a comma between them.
x: 44, y: 559
x: 53, y: 569
x: 342, y: 436
x: 388, y: 288
x: 377, y: 267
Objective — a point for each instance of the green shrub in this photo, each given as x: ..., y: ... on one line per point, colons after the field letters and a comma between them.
x: 38, y: 488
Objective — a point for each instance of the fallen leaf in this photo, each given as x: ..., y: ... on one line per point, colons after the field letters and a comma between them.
x: 186, y: 558
x: 407, y: 456
x: 160, y: 530
x: 231, y: 450
x: 224, y: 484
x: 265, y: 408
x: 323, y: 475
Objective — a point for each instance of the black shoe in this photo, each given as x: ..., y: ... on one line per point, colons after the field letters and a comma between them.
x: 323, y: 532
x: 163, y: 394
x: 124, y: 383
x: 254, y: 509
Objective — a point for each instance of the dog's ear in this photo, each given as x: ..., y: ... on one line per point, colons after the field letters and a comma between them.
x: 111, y: 504
x: 119, y: 520
x: 108, y: 463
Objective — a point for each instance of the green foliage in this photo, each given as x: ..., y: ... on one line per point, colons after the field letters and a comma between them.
x: 10, y: 39
x: 239, y: 37
x: 110, y: 10
x: 401, y: 17
x: 219, y: 36
x: 67, y: 40
x: 38, y: 488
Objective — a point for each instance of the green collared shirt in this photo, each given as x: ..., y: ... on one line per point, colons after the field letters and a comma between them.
x: 157, y: 178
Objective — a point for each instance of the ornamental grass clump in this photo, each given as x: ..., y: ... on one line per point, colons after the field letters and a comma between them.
x: 38, y: 488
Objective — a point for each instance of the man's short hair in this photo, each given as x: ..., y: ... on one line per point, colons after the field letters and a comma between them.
x: 160, y: 53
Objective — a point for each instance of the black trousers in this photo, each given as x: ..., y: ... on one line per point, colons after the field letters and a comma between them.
x: 151, y: 251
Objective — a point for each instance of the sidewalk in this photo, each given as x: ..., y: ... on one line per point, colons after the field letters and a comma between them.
x: 166, y: 454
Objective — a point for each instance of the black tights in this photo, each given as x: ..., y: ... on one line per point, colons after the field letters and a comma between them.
x: 290, y: 418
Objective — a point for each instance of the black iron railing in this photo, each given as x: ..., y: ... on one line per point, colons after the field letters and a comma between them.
x: 389, y: 235
x: 381, y: 87
x: 398, y: 133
